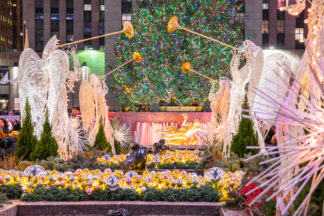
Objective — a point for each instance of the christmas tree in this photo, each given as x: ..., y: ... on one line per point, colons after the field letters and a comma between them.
x: 26, y: 139
x: 47, y: 145
x: 101, y: 141
x: 245, y: 135
x: 159, y: 77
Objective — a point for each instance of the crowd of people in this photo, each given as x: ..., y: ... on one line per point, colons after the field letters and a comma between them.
x: 8, y: 136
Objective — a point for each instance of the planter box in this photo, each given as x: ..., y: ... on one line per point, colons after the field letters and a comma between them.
x: 181, y: 109
x: 136, y: 208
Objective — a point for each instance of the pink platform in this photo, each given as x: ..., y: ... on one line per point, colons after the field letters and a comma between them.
x: 132, y: 118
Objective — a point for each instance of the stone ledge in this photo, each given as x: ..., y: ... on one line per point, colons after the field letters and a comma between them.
x: 232, y: 212
x: 99, y: 208
x: 8, y: 210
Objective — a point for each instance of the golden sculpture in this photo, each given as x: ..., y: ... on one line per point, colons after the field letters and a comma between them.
x: 184, y: 135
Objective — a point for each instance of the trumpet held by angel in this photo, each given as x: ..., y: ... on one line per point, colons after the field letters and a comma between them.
x: 184, y: 135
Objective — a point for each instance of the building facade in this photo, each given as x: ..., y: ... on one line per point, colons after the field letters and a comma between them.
x: 272, y: 28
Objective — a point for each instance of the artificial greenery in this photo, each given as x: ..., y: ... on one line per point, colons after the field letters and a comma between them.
x: 270, y: 208
x: 117, y: 147
x: 101, y: 140
x: 3, y: 198
x: 176, y: 165
x: 47, y: 145
x: 245, y: 135
x: 26, y: 140
x: 55, y: 194
x: 194, y: 194
x: 11, y: 191
x: 316, y: 202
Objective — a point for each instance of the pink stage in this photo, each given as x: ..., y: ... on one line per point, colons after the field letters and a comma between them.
x: 144, y: 124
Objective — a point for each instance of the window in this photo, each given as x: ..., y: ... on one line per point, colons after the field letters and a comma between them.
x: 87, y: 7
x: 280, y: 26
x: 126, y: 17
x: 299, y: 34
x: 280, y: 41
x: 87, y: 21
x: 265, y: 27
x: 69, y: 20
x: 126, y: 6
x: 265, y: 15
x: 102, y: 7
x: 69, y: 37
x: 265, y: 6
x: 281, y: 3
x: 39, y: 11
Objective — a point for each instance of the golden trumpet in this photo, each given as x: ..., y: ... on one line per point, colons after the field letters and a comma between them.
x: 136, y: 57
x: 174, y: 25
x: 128, y: 30
x: 186, y: 67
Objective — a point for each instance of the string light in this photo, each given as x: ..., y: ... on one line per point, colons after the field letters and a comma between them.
x: 159, y: 77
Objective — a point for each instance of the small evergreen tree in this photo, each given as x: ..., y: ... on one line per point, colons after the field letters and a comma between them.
x: 245, y: 135
x: 117, y: 147
x: 47, y: 146
x: 101, y: 141
x: 26, y: 139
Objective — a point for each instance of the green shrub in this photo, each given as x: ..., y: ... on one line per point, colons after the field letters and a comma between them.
x: 245, y: 135
x: 3, y: 198
x: 316, y: 206
x: 26, y: 139
x: 47, y: 145
x: 101, y: 142
x: 11, y: 191
x: 117, y: 147
x: 194, y: 194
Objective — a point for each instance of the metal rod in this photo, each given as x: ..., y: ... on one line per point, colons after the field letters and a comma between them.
x: 212, y: 39
x: 88, y: 39
x: 191, y: 70
x: 117, y: 68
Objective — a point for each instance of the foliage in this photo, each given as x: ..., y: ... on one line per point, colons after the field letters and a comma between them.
x: 26, y: 140
x: 87, y: 159
x: 245, y: 135
x: 194, y: 194
x: 11, y: 162
x: 11, y: 191
x: 159, y: 77
x: 55, y: 194
x: 101, y: 140
x: 117, y: 147
x: 47, y: 145
x: 316, y: 202
x: 3, y: 198
x: 176, y: 165
x: 271, y: 208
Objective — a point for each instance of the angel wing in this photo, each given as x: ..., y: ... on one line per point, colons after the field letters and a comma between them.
x: 57, y: 68
x: 33, y: 85
x: 87, y: 105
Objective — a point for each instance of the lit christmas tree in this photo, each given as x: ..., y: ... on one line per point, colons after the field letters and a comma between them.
x: 159, y: 77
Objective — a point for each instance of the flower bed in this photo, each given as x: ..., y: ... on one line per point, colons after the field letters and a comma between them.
x: 180, y: 159
x: 176, y: 184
